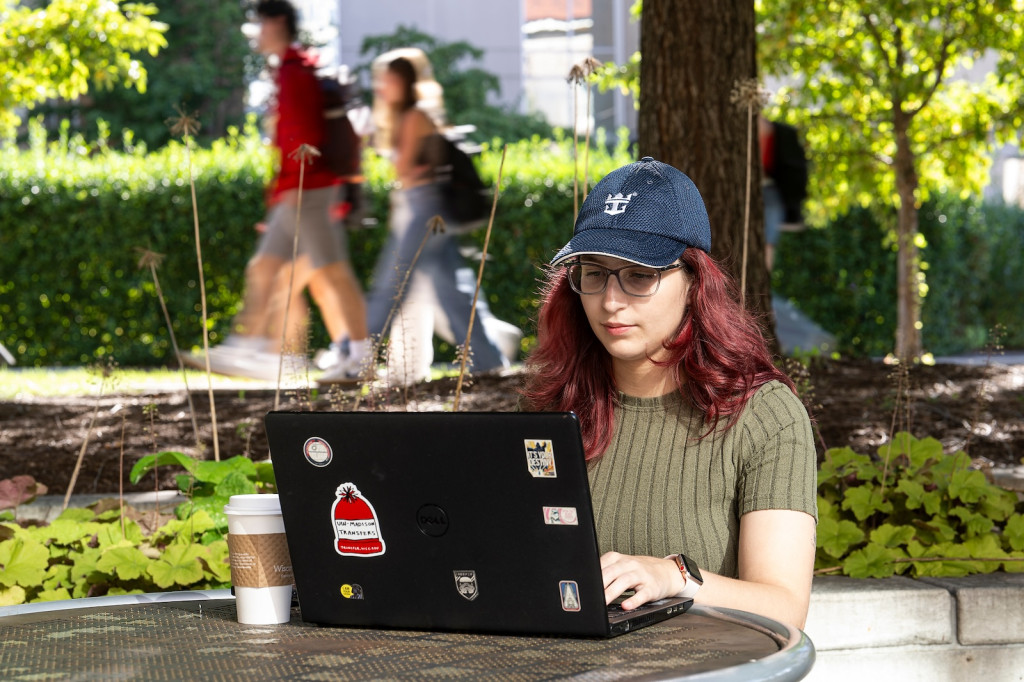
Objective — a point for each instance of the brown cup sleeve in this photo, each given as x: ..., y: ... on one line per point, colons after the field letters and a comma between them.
x: 260, y: 560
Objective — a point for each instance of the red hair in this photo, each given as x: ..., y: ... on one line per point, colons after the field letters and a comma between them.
x: 719, y: 355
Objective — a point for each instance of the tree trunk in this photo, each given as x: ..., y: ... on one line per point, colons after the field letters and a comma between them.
x: 693, y: 54
x: 908, y: 264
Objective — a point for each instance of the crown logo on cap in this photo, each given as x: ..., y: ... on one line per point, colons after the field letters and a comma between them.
x: 616, y: 204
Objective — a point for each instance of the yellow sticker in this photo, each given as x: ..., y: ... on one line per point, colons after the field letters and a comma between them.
x: 353, y: 591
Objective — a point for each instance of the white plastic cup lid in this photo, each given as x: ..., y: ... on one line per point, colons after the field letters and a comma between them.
x: 253, y: 505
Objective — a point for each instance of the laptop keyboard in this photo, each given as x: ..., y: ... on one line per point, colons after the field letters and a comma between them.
x: 615, y: 608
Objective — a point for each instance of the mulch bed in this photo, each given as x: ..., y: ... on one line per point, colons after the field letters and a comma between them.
x: 853, y: 403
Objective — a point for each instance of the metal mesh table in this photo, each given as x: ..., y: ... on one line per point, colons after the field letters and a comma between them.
x: 199, y: 638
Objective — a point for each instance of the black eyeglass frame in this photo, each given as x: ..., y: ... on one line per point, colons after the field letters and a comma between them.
x: 615, y: 272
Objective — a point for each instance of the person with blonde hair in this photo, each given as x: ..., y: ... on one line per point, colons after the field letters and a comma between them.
x: 433, y: 298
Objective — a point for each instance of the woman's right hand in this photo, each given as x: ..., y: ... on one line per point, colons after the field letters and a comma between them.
x: 649, y: 577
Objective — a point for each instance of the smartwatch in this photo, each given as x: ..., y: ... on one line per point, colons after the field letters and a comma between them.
x: 692, y: 579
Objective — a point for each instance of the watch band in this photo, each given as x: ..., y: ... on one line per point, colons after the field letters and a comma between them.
x: 692, y: 579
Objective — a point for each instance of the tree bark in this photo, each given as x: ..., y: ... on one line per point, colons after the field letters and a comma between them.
x: 908, y: 266
x: 693, y: 54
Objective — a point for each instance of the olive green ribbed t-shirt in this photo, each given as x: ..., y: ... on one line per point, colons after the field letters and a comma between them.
x: 657, y: 490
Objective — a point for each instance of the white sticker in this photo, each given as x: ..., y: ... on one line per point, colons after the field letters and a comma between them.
x: 540, y: 458
x: 356, y: 528
x: 318, y: 452
x: 560, y: 516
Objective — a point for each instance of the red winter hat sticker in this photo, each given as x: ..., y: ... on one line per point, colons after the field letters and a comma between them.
x: 356, y: 529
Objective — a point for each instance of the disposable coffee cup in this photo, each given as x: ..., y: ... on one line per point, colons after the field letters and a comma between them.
x: 261, y: 570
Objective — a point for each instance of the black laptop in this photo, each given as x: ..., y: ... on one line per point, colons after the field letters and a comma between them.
x: 470, y: 521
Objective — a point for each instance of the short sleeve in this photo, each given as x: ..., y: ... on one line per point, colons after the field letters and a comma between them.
x: 778, y: 460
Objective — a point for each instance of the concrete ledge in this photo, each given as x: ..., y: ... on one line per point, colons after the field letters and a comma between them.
x: 946, y: 663
x: 48, y: 507
x: 927, y: 630
x: 989, y: 607
x: 847, y: 614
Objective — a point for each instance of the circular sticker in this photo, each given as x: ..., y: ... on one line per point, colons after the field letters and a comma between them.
x: 346, y: 591
x: 317, y: 452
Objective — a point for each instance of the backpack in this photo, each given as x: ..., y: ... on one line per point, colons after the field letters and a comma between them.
x: 466, y: 198
x: 341, y: 149
x: 791, y: 172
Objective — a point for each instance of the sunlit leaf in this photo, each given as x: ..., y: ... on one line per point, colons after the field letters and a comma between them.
x: 864, y: 501
x: 873, y: 561
x: 128, y: 562
x: 1014, y: 532
x: 836, y: 538
x: 968, y: 486
x: 217, y: 561
x: 169, y: 458
x: 888, y: 535
x: 12, y: 596
x: 178, y: 565
x: 22, y: 562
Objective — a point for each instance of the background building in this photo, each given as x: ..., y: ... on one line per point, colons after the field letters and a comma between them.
x: 530, y: 45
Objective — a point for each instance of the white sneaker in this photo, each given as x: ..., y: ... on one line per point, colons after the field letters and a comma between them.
x: 330, y: 357
x: 256, y: 344
x: 343, y: 374
x: 249, y: 363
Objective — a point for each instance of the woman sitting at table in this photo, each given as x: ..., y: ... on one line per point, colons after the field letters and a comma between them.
x: 701, y: 459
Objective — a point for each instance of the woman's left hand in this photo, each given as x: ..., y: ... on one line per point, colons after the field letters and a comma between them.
x: 649, y: 577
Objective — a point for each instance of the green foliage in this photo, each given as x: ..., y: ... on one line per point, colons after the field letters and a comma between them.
x: 889, y: 115
x: 838, y: 276
x: 466, y: 89
x: 73, y: 213
x: 914, y: 510
x: 624, y: 77
x: 83, y: 553
x: 865, y: 69
x: 201, y: 69
x: 208, y: 484
x: 56, y: 50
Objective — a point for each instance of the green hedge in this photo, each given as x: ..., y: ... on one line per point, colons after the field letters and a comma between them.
x: 73, y: 214
x: 844, y: 277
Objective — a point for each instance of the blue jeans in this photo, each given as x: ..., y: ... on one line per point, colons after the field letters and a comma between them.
x: 411, y: 210
x: 774, y: 213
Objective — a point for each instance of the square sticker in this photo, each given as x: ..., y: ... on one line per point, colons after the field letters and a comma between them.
x: 540, y: 458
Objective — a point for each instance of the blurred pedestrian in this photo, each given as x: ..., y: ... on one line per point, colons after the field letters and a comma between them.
x: 297, y: 119
x: 784, y: 178
x: 433, y: 300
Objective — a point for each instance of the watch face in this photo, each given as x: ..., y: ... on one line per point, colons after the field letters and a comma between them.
x: 692, y: 569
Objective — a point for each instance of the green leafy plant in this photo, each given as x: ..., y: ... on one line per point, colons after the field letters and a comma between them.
x: 914, y: 510
x: 103, y: 550
x: 209, y: 485
x: 108, y: 548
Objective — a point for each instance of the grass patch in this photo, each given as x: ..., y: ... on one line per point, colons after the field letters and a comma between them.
x: 48, y: 382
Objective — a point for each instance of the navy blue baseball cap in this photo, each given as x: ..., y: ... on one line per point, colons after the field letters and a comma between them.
x: 647, y: 212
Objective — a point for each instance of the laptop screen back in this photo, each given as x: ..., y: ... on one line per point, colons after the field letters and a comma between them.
x: 461, y: 521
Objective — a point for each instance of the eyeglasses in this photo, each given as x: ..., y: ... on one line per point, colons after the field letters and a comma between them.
x: 635, y: 280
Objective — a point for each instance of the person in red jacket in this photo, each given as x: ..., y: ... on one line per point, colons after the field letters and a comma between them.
x: 323, y: 265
